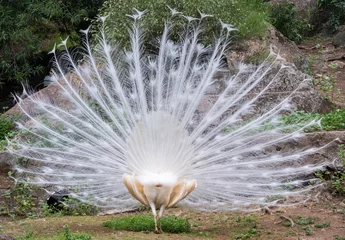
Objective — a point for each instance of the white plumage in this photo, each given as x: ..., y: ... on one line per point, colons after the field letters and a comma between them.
x: 140, y: 118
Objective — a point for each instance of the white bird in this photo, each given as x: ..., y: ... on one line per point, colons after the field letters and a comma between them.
x: 145, y: 126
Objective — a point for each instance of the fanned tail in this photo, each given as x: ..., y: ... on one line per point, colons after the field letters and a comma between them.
x: 130, y: 112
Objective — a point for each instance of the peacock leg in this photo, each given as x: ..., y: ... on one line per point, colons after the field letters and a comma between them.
x: 160, y: 214
x: 153, y: 208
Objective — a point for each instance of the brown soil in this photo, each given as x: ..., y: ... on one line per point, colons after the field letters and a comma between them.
x: 327, y: 64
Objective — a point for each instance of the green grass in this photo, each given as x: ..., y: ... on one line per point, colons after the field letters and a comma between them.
x: 139, y: 223
x: 305, y: 221
x: 329, y: 121
x: 322, y: 224
x: 65, y: 235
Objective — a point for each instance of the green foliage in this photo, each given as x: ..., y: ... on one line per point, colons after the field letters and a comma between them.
x: 301, y: 118
x: 336, y: 237
x: 249, y: 234
x: 336, y: 10
x: 283, y: 18
x: 20, y: 201
x: 308, y: 230
x: 329, y: 121
x: 138, y: 223
x: 6, y: 126
x: 30, y: 27
x: 336, y: 179
x: 246, y: 221
x: 305, y: 221
x: 72, y: 207
x: 75, y: 236
x: 322, y: 224
x: 65, y: 235
x: 247, y: 15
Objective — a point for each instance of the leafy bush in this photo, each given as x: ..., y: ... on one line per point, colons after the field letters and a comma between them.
x: 30, y: 27
x: 283, y: 18
x: 247, y: 15
x: 335, y: 10
x: 138, y: 223
x: 6, y: 126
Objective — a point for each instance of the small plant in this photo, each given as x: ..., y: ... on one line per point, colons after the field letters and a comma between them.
x: 138, y: 223
x: 7, y: 130
x: 336, y: 237
x: 322, y: 224
x: 326, y: 84
x: 308, y: 230
x: 246, y: 221
x: 75, y: 236
x: 250, y: 233
x: 305, y: 221
x: 74, y: 207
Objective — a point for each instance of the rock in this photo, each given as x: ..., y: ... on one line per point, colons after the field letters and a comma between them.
x: 52, y: 94
x: 339, y: 39
x: 6, y: 237
x: 305, y: 98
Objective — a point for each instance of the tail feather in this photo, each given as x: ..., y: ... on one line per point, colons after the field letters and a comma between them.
x: 139, y: 113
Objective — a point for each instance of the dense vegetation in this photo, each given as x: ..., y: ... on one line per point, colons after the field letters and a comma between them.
x: 30, y: 28
x: 248, y: 16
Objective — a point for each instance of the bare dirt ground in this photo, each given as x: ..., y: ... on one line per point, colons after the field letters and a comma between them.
x: 327, y: 65
x: 329, y: 213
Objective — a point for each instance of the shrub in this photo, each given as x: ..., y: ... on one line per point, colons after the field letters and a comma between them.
x: 248, y: 16
x: 31, y: 27
x: 283, y: 18
x: 335, y: 10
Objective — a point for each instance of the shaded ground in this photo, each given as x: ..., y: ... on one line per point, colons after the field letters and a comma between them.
x: 257, y: 225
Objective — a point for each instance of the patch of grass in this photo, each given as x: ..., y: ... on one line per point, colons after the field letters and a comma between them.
x: 75, y: 236
x: 329, y: 121
x: 138, y: 223
x: 249, y: 234
x: 308, y: 230
x: 322, y: 224
x: 305, y: 221
x: 65, y: 235
x: 246, y: 221
x: 28, y: 235
x: 287, y: 224
x: 336, y: 237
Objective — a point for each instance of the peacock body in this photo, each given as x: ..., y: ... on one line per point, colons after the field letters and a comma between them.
x: 131, y: 130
